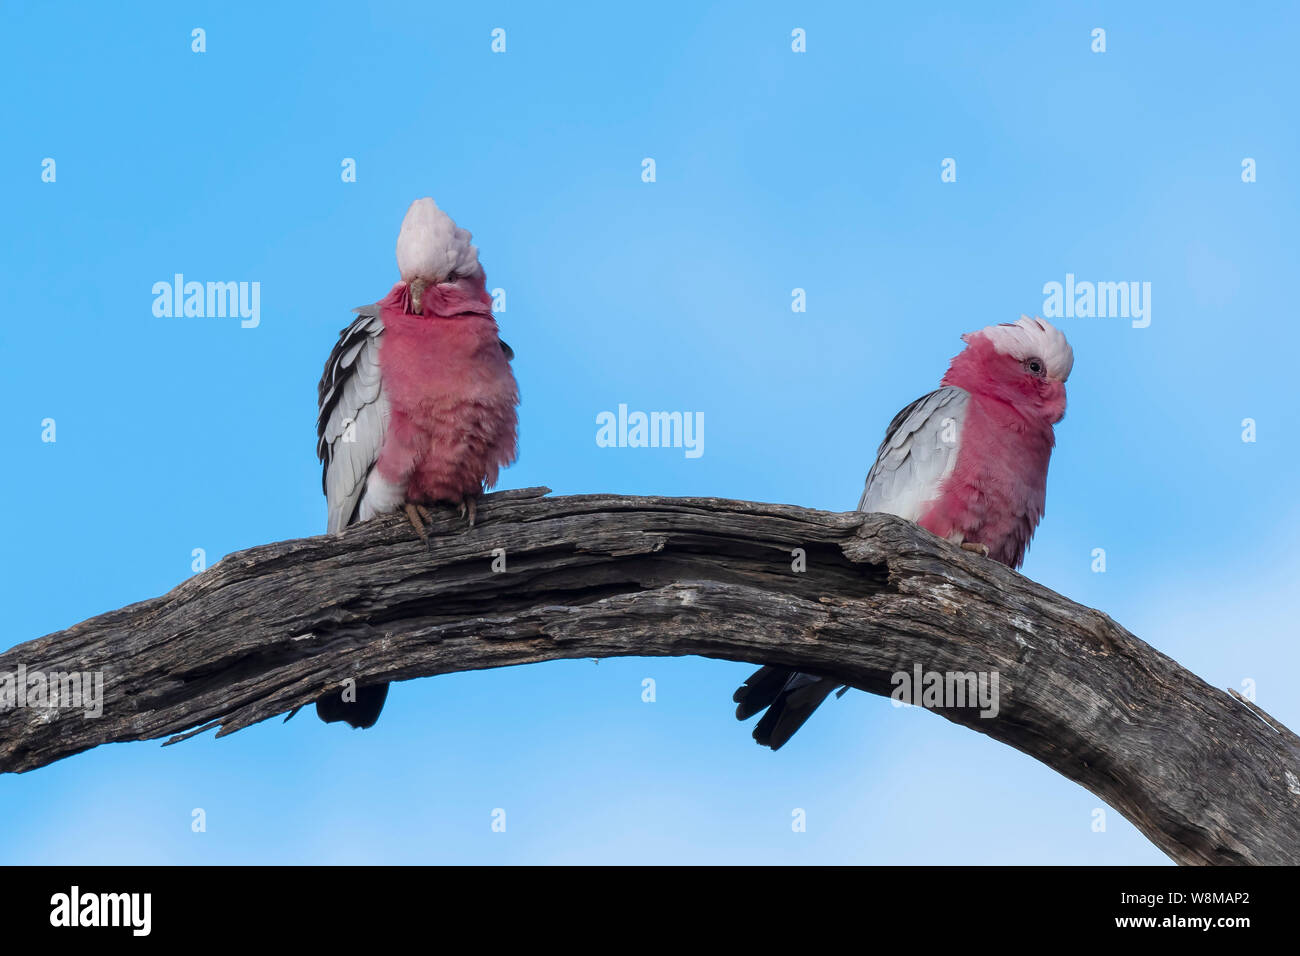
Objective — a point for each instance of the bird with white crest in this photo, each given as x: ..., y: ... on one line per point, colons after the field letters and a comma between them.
x: 417, y: 405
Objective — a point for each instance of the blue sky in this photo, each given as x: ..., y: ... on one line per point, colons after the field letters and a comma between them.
x: 775, y: 170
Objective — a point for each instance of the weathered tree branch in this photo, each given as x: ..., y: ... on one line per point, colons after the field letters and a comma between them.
x: 1208, y: 778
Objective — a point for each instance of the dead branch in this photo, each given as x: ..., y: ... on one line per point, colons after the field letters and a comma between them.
x: 1208, y: 778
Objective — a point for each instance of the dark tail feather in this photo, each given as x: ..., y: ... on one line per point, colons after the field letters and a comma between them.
x: 759, y: 690
x: 363, y: 712
x: 789, y: 696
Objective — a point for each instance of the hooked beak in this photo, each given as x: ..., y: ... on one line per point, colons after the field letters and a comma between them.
x: 415, y: 290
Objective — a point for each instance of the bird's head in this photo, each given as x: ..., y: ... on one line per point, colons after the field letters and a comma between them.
x: 1025, y: 363
x: 431, y: 249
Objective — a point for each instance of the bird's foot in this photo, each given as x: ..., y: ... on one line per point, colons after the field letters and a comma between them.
x: 980, y: 549
x: 468, y: 509
x: 413, y: 514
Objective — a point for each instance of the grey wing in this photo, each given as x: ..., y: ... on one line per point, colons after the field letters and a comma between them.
x: 918, y: 454
x: 353, y: 417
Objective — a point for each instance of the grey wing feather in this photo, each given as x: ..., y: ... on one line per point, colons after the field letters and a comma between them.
x: 353, y: 416
x: 918, y: 454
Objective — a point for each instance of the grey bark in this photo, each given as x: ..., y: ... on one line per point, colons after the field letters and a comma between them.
x: 1208, y: 777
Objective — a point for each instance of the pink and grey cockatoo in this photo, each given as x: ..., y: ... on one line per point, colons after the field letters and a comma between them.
x: 417, y: 403
x: 967, y: 462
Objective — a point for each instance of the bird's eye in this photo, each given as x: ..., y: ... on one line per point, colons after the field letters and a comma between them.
x: 1035, y: 366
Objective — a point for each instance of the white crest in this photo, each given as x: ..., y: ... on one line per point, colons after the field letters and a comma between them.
x: 431, y: 246
x: 1031, y: 338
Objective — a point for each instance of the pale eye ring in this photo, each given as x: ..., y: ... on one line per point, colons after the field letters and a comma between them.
x: 1035, y: 367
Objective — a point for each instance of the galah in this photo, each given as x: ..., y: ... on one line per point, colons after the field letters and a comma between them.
x: 417, y: 403
x: 967, y: 462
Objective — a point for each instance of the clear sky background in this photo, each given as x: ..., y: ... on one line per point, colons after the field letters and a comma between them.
x: 775, y: 170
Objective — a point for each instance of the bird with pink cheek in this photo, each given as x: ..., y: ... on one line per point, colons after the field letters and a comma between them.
x: 417, y: 403
x: 968, y: 462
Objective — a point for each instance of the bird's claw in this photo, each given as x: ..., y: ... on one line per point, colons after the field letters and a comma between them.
x: 981, y: 549
x: 413, y: 514
x: 468, y: 509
